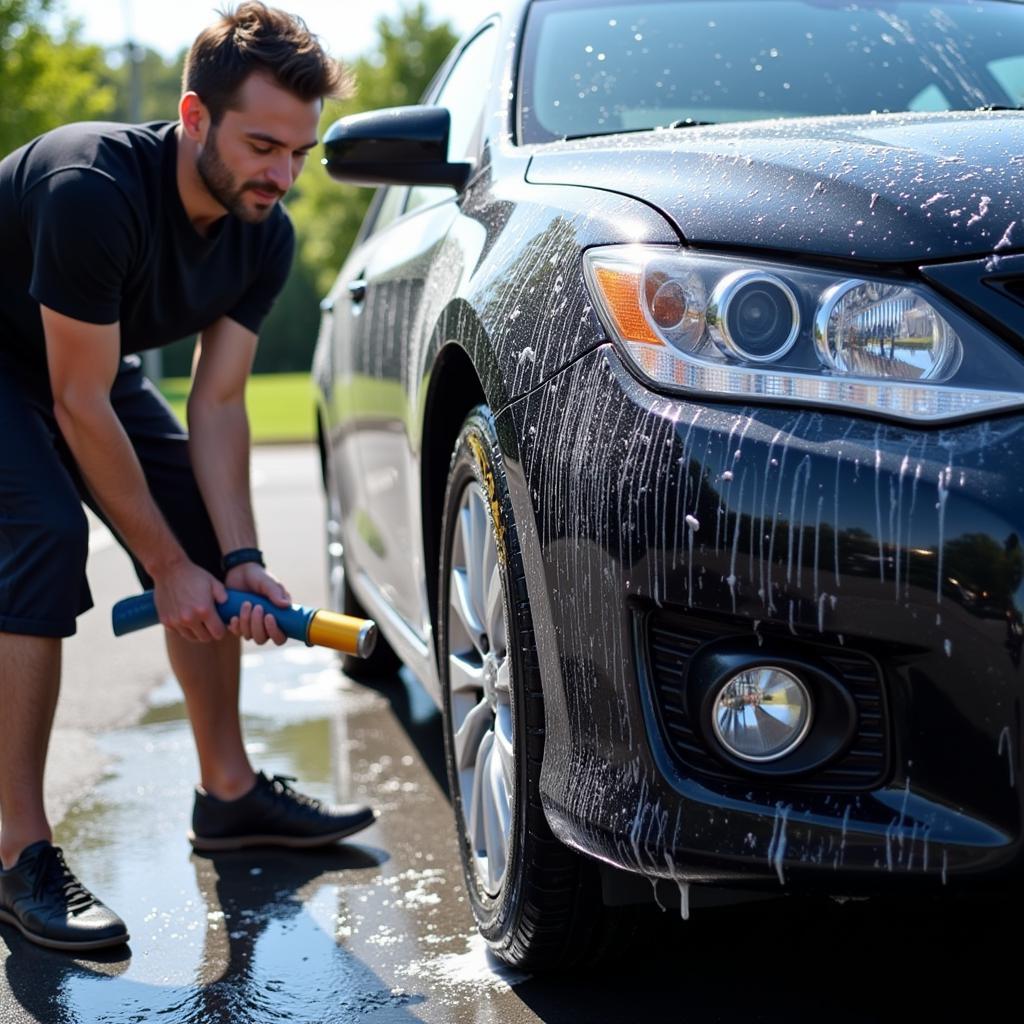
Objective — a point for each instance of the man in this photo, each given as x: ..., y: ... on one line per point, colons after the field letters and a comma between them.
x: 116, y: 238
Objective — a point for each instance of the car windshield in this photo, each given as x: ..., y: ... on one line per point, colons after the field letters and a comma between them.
x: 590, y: 67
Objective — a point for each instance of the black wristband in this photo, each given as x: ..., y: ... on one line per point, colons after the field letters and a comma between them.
x: 240, y: 556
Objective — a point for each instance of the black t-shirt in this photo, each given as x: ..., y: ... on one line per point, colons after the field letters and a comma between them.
x: 92, y: 226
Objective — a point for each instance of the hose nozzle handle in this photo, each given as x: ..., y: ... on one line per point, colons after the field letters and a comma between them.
x: 313, y: 626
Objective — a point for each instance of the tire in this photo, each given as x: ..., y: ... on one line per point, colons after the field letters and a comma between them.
x: 533, y: 899
x: 383, y: 662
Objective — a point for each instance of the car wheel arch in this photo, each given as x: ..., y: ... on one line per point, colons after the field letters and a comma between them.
x: 454, y: 389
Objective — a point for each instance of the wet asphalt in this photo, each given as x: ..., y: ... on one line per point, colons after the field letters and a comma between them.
x: 377, y: 929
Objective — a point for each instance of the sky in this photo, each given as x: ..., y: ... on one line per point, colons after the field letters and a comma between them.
x: 346, y: 27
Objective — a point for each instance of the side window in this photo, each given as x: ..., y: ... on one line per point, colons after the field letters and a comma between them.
x: 390, y: 207
x: 464, y: 93
x: 1009, y: 73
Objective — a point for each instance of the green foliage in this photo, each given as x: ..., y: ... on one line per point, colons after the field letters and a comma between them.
x: 397, y: 72
x: 47, y: 76
x: 327, y: 215
x: 289, y: 332
x: 158, y: 84
x: 280, y: 405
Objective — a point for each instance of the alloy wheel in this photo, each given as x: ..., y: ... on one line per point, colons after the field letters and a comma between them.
x: 479, y: 682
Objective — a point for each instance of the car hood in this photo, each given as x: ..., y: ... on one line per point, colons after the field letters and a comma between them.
x: 893, y: 188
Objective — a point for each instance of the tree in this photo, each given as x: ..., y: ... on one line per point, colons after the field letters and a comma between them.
x: 409, y: 50
x: 397, y: 72
x: 47, y: 77
x: 159, y: 84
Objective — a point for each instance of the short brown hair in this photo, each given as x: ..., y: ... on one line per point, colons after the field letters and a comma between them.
x: 253, y: 37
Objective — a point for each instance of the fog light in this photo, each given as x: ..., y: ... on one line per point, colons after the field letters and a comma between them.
x: 762, y: 714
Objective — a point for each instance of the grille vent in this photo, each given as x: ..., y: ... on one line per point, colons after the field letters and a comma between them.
x: 1012, y: 286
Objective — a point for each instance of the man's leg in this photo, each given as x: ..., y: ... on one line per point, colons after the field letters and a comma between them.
x: 39, y: 895
x: 29, y: 684
x: 234, y: 807
x: 208, y: 673
x: 44, y: 542
x: 209, y: 677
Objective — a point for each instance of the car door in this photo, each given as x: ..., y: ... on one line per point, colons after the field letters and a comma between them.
x: 390, y: 324
x: 343, y: 309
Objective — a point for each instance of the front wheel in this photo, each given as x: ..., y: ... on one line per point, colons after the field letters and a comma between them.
x: 531, y: 896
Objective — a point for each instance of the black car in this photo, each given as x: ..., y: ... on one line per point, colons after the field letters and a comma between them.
x: 672, y: 420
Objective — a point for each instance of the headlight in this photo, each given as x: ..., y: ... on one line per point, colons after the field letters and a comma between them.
x: 884, y: 330
x: 744, y: 328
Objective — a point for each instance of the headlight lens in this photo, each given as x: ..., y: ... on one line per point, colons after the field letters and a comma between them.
x: 762, y: 714
x: 884, y: 330
x: 729, y: 327
x: 754, y: 317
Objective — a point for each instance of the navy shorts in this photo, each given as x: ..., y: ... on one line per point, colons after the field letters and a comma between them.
x: 44, y: 534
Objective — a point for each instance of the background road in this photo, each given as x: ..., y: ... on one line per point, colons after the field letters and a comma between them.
x: 377, y: 930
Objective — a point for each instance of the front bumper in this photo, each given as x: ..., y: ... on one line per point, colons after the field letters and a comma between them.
x: 810, y: 532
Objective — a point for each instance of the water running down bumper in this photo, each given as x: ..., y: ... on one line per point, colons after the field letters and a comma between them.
x: 829, y: 536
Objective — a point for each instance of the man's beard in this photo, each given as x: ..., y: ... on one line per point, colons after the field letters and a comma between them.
x: 221, y: 183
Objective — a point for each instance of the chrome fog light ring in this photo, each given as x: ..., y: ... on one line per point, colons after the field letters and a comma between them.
x: 762, y: 713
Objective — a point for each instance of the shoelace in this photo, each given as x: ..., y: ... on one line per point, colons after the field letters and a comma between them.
x: 56, y: 877
x: 282, y: 785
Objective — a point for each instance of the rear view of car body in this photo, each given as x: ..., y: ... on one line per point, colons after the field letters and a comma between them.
x: 674, y: 539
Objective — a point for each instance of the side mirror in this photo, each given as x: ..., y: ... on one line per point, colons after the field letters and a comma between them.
x: 397, y: 146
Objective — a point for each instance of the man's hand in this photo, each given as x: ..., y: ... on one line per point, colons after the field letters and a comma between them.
x: 252, y: 623
x: 185, y: 596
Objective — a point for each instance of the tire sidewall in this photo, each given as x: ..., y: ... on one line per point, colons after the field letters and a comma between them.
x: 477, y: 457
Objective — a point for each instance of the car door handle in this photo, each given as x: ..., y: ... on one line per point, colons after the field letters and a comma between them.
x: 357, y: 290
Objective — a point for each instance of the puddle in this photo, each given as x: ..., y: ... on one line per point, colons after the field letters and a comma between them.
x: 377, y: 931
x: 267, y: 935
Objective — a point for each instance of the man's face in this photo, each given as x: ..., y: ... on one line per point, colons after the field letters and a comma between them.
x: 250, y: 159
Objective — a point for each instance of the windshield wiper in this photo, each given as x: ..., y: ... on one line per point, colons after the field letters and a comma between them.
x: 689, y: 122
x: 686, y: 122
x: 998, y: 106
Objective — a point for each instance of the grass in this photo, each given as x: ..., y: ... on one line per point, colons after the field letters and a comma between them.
x: 280, y: 405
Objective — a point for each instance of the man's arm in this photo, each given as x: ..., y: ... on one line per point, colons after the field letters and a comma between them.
x: 219, y: 448
x: 83, y: 360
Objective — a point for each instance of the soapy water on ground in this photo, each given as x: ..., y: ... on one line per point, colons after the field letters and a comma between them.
x: 378, y: 930
x: 266, y: 935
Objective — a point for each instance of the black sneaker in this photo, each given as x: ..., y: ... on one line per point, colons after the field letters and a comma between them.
x: 49, y: 906
x: 272, y: 814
